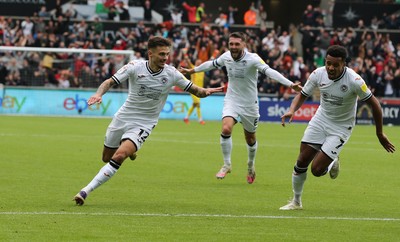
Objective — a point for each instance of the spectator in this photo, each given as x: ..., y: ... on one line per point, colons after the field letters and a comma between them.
x: 176, y: 17
x: 200, y: 13
x: 123, y: 11
x: 63, y: 79
x: 27, y: 26
x: 112, y: 13
x: 307, y: 43
x: 284, y: 41
x: 232, y: 14
x: 43, y: 12
x: 308, y: 16
x: 221, y: 20
x: 87, y: 79
x: 250, y: 16
x: 261, y: 17
x: 59, y: 10
x: 147, y: 9
x: 191, y: 12
x: 39, y: 25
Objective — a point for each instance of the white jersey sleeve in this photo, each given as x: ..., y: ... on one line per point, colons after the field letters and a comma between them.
x: 271, y: 73
x: 125, y: 72
x: 181, y: 81
x: 213, y: 64
x: 311, y: 84
x: 361, y: 89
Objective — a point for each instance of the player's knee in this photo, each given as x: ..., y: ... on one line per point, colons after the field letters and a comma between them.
x: 251, y: 140
x: 119, y: 157
x: 318, y: 171
x: 227, y: 130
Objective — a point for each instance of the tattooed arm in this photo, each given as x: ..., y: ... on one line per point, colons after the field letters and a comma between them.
x: 103, y: 88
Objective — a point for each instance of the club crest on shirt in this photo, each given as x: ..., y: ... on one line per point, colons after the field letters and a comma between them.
x: 344, y: 88
x: 163, y: 81
x: 244, y: 63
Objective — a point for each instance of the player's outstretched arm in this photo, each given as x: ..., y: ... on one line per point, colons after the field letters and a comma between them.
x: 296, y: 86
x: 103, y: 88
x: 204, y: 92
x: 377, y: 114
x: 294, y: 106
x: 185, y: 71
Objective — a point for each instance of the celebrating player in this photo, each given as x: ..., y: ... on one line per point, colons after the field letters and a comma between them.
x: 149, y: 84
x: 331, y: 126
x: 241, y: 99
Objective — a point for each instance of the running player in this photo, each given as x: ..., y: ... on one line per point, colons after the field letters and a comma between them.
x: 241, y: 99
x: 331, y: 126
x: 149, y: 85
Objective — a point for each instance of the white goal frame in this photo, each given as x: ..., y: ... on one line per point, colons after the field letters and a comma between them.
x: 67, y: 50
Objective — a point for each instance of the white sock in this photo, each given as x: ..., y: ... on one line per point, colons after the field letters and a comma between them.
x: 298, y: 180
x: 105, y: 173
x: 252, y: 151
x: 226, y: 145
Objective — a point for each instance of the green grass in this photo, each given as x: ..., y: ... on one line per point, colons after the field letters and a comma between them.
x: 170, y: 192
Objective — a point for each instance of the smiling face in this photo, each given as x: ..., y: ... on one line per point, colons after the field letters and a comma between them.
x: 158, y: 56
x: 236, y: 46
x: 334, y: 66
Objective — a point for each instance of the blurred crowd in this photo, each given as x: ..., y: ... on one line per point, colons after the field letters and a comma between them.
x: 295, y: 51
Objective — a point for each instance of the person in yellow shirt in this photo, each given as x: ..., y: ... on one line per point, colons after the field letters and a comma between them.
x: 197, y: 79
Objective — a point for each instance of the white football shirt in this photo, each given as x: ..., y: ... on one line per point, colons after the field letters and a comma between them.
x: 338, y: 102
x: 148, y: 90
x: 242, y: 76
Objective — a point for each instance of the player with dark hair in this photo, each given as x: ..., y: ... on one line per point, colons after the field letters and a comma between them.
x: 149, y: 85
x: 241, y: 99
x: 331, y: 126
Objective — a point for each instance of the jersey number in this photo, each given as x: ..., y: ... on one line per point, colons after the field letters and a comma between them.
x: 143, y: 136
x: 341, y: 143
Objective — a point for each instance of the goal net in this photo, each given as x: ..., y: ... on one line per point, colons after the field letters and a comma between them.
x: 60, y: 67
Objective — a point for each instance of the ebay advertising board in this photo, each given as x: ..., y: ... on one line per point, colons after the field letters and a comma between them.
x: 74, y: 102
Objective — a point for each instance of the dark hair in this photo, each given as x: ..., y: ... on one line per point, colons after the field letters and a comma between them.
x: 337, y: 51
x: 158, y: 41
x: 240, y: 35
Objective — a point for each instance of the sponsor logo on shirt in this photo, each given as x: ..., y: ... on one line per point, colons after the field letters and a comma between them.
x: 332, y: 99
x: 149, y: 92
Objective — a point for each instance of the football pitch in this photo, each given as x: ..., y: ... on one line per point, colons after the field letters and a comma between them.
x: 170, y: 193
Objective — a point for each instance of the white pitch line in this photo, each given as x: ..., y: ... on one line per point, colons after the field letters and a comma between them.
x: 162, y: 140
x: 201, y: 215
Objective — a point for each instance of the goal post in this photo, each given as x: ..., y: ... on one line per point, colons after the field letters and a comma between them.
x: 66, y: 50
x: 61, y: 67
